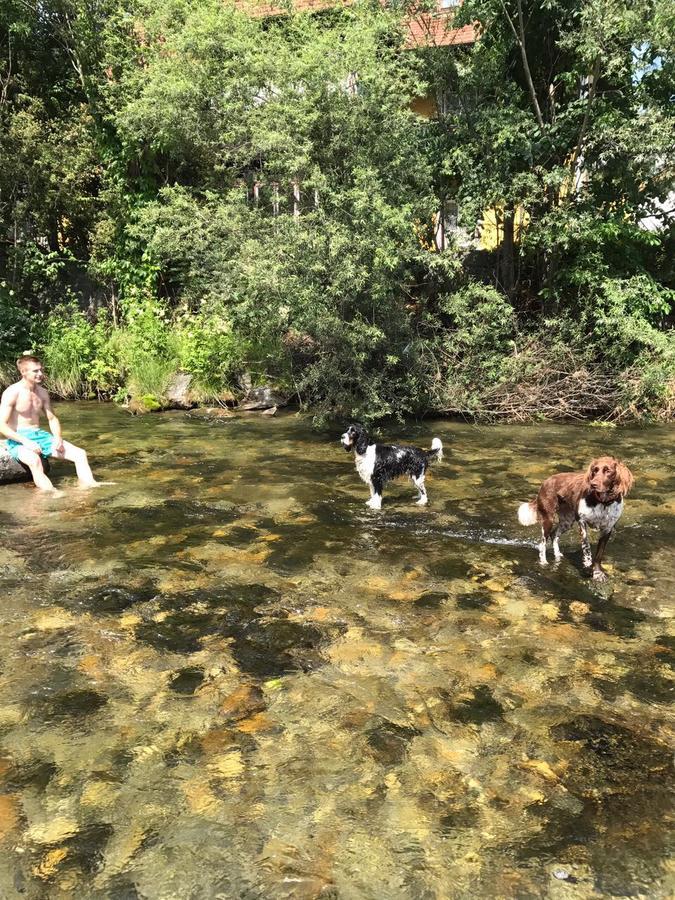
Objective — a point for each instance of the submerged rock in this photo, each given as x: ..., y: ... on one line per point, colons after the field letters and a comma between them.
x: 613, y: 758
x: 211, y: 413
x: 479, y: 600
x: 114, y: 598
x: 243, y: 702
x: 186, y: 681
x: 564, y: 875
x: 10, y: 811
x: 11, y: 561
x: 389, y: 741
x: 53, y: 704
x: 36, y: 774
x: 431, y: 599
x: 52, y: 831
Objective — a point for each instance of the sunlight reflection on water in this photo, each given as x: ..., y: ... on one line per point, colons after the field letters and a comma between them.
x: 224, y: 676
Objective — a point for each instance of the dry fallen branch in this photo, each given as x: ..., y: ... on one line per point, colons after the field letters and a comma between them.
x: 536, y: 391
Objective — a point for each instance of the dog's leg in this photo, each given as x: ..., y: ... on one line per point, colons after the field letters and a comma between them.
x: 418, y: 481
x: 564, y: 524
x: 599, y: 573
x: 546, y: 528
x: 375, y: 501
x: 586, y: 557
x: 555, y: 538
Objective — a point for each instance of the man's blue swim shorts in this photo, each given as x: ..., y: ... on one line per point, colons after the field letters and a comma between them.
x: 43, y: 438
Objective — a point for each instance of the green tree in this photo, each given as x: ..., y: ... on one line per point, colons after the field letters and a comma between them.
x: 319, y: 272
x: 561, y: 113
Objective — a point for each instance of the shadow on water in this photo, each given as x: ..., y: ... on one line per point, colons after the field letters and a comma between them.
x: 166, y: 519
x: 481, y: 707
x: 615, y: 780
x: 64, y: 699
x: 263, y: 640
x: 111, y: 598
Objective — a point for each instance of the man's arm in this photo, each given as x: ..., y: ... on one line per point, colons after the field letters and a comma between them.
x: 6, y: 408
x: 7, y: 403
x: 54, y: 424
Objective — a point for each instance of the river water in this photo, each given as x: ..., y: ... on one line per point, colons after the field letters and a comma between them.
x: 225, y: 677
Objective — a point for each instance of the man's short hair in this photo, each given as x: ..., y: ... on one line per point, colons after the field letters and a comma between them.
x: 24, y: 361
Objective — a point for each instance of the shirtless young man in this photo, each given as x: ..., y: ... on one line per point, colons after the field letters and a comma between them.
x: 21, y: 406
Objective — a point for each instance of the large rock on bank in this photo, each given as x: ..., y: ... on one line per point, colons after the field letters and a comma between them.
x: 263, y: 398
x: 10, y: 469
x: 179, y: 393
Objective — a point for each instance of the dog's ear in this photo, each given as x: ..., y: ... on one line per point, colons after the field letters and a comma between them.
x: 623, y: 480
x: 361, y: 444
x: 589, y: 471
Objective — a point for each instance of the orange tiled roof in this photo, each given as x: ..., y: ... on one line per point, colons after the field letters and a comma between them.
x: 433, y: 30
x: 262, y: 8
x: 424, y: 29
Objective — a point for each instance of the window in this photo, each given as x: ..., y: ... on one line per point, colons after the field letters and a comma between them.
x: 445, y: 224
x: 447, y: 102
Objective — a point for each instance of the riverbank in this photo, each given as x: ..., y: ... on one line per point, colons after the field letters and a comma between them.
x: 486, y: 367
x: 561, y: 396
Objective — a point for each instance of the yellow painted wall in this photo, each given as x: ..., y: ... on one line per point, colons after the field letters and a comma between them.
x: 424, y: 107
x: 492, y: 232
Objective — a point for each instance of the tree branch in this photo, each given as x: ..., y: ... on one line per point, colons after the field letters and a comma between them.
x: 587, y: 115
x: 7, y: 81
x: 519, y: 35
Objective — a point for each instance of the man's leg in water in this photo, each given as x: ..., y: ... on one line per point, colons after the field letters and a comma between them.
x: 78, y: 456
x: 34, y: 462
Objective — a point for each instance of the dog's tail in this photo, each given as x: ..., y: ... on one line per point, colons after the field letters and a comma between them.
x: 527, y: 513
x: 436, y: 451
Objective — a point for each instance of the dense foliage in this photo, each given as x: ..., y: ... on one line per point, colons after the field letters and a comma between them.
x: 187, y: 187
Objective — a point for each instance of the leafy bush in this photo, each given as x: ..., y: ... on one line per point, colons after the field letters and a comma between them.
x: 76, y: 354
x: 17, y: 327
x: 609, y: 361
x: 626, y: 340
x: 478, y: 327
x: 207, y: 350
x: 145, y: 349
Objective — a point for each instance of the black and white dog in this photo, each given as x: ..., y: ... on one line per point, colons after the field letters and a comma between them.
x: 379, y: 463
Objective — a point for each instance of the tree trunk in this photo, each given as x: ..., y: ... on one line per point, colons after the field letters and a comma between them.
x: 507, y: 262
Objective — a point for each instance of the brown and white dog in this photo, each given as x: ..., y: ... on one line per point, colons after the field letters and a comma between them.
x: 593, y: 498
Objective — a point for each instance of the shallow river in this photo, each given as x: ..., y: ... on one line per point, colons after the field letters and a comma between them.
x: 225, y: 677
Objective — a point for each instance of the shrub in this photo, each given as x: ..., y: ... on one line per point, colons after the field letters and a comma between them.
x: 478, y: 326
x: 76, y: 353
x: 210, y: 352
x: 145, y: 367
x: 16, y: 329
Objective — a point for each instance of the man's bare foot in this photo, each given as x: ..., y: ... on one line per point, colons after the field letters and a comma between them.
x: 94, y: 484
